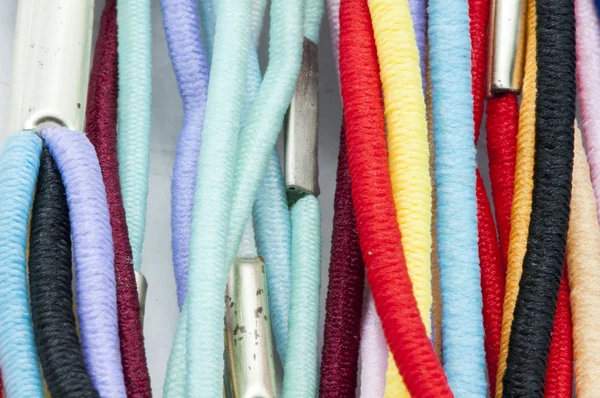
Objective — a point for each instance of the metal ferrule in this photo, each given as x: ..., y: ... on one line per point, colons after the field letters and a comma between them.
x: 51, y: 64
x: 142, y: 289
x: 506, y: 50
x: 248, y: 331
x: 301, y: 130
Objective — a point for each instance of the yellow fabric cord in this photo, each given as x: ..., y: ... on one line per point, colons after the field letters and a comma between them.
x: 521, y: 206
x: 408, y: 148
x: 583, y: 260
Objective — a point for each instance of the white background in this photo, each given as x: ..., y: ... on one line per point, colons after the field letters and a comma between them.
x: 161, y: 307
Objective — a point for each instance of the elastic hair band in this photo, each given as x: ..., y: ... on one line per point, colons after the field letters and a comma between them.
x: 404, y: 107
x: 209, y: 262
x: 50, y: 288
x: 93, y: 256
x: 182, y: 30
x: 341, y: 341
x: 101, y: 130
x: 462, y: 328
x: 583, y: 257
x: 380, y: 237
x: 559, y: 374
x: 521, y: 205
x: 553, y: 171
x: 588, y: 84
x: 502, y: 125
x: 373, y: 350
x: 134, y: 115
x: 492, y: 271
x: 19, y: 164
x: 300, y: 368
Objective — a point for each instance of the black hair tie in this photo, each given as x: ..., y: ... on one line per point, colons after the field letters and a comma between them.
x: 554, y: 133
x: 50, y: 276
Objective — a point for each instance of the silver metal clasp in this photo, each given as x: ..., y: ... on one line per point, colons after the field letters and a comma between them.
x: 51, y: 64
x: 506, y: 50
x: 302, y: 127
x: 248, y: 337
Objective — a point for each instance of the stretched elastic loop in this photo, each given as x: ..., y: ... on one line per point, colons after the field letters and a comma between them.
x: 134, y: 113
x: 182, y: 29
x: 521, y: 205
x: 93, y: 256
x: 373, y: 350
x: 341, y: 340
x: 101, y: 129
x: 553, y: 171
x: 19, y: 164
x: 588, y: 84
x: 208, y: 261
x: 462, y: 328
x: 301, y: 363
x: 380, y: 237
x: 583, y: 257
x: 50, y: 279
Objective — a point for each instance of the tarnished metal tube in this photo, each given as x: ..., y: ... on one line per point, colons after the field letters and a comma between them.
x: 302, y: 122
x: 248, y: 331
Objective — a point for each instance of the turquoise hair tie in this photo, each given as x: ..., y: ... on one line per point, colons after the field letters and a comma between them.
x: 134, y: 115
x: 462, y: 327
x: 19, y: 165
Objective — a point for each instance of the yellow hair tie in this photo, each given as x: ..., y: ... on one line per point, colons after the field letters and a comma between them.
x: 408, y: 152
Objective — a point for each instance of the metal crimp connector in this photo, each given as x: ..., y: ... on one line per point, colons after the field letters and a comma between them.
x: 506, y: 50
x: 302, y: 125
x: 248, y: 337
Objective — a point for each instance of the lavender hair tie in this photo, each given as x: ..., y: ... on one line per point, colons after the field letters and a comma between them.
x: 93, y: 255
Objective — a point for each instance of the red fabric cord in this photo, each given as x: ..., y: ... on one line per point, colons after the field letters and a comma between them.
x: 339, y: 363
x: 492, y: 271
x: 502, y: 127
x: 559, y: 375
x: 492, y: 281
x: 101, y: 129
x: 378, y: 230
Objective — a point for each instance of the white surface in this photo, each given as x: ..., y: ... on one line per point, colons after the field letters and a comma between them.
x: 161, y: 306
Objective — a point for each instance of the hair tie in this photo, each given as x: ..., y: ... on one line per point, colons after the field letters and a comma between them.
x: 50, y: 288
x: 19, y: 164
x: 182, y: 30
x: 502, y: 126
x: 462, y: 329
x: 93, y: 256
x: 544, y: 259
x: 101, y: 129
x: 134, y: 115
x: 339, y: 364
x: 404, y: 107
x: 583, y: 257
x: 492, y: 271
x: 521, y: 205
x: 377, y: 227
x: 373, y: 350
x: 559, y: 374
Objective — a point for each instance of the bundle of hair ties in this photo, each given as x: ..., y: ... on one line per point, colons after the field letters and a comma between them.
x: 448, y: 277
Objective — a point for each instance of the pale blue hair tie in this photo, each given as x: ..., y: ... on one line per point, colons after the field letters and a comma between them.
x: 19, y: 166
x: 456, y: 225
